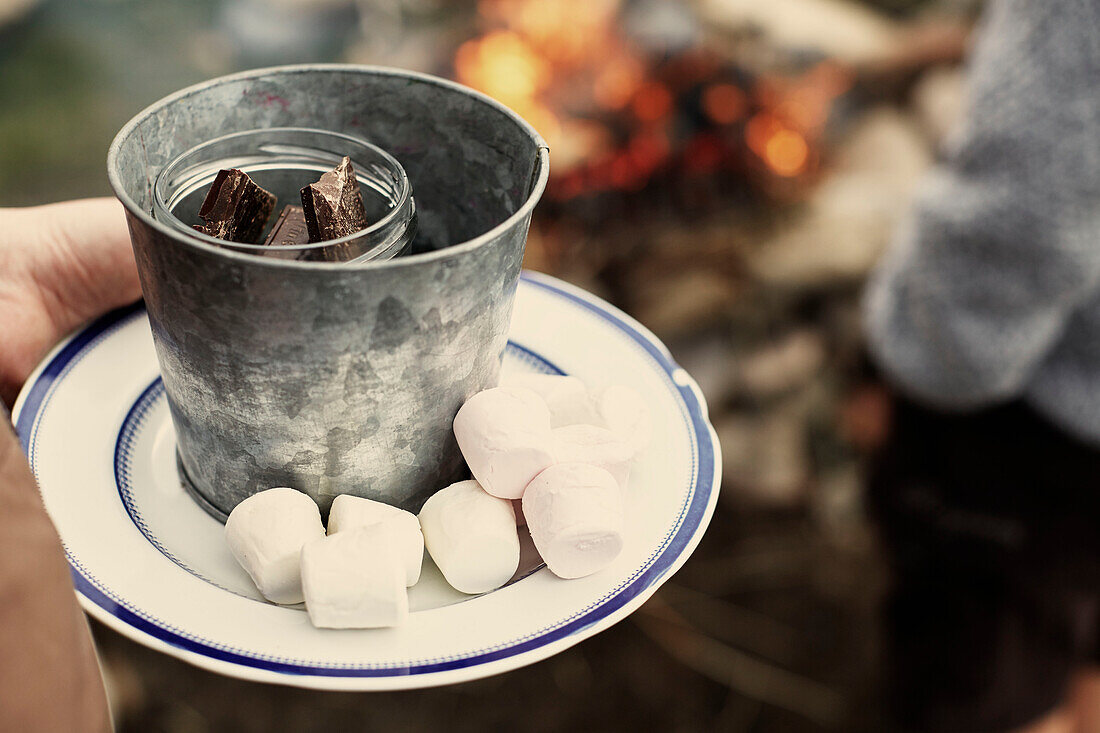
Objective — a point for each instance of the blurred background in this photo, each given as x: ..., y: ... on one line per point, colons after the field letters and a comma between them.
x: 726, y: 171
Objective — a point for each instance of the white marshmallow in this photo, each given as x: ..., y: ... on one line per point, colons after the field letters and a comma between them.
x: 472, y: 537
x: 401, y: 528
x: 566, y: 397
x: 354, y: 580
x: 266, y: 532
x: 575, y: 514
x: 504, y: 434
x: 625, y: 413
x: 595, y: 446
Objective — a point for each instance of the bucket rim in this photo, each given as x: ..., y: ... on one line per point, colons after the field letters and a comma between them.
x: 539, y: 178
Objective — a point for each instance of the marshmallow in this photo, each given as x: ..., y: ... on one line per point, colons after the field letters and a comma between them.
x: 472, y: 537
x: 266, y: 532
x: 400, y: 528
x: 625, y: 413
x: 504, y: 434
x: 566, y: 397
x: 575, y: 515
x: 354, y: 580
x: 595, y: 446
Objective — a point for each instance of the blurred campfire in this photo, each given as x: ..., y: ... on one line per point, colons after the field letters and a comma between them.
x: 699, y: 141
x: 620, y: 116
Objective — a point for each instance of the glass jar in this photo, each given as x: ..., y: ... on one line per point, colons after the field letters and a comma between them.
x: 283, y: 160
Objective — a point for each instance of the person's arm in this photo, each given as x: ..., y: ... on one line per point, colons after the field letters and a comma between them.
x: 1004, y: 242
x: 60, y: 265
x: 49, y: 677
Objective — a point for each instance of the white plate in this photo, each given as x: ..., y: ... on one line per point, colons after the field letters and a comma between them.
x: 151, y: 564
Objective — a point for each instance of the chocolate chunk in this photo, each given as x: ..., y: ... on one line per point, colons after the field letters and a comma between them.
x: 235, y: 208
x: 333, y: 206
x: 290, y: 228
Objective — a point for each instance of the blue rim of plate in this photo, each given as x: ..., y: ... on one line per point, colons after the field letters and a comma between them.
x: 692, y: 515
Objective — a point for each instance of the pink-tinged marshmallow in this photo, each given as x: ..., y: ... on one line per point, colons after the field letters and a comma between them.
x: 566, y: 397
x: 625, y: 413
x: 575, y: 515
x: 595, y: 446
x: 472, y: 537
x: 400, y: 528
x: 504, y: 434
x: 266, y: 532
x: 354, y: 580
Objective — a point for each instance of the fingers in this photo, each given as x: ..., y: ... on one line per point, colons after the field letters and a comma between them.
x: 86, y: 266
x: 60, y: 266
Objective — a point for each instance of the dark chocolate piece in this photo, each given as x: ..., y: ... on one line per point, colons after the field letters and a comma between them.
x: 235, y: 208
x: 290, y: 228
x: 333, y: 206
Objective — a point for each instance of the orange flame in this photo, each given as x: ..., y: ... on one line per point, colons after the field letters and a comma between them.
x: 543, y: 50
x: 503, y: 66
x: 724, y: 103
x: 563, y: 31
x: 652, y: 102
x: 562, y: 66
x: 784, y: 150
x: 617, y: 82
x: 796, y: 110
x: 786, y: 153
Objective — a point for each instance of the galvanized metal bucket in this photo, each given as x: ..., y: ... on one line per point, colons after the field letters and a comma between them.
x: 334, y: 378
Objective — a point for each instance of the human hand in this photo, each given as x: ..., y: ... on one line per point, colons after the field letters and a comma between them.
x: 60, y: 265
